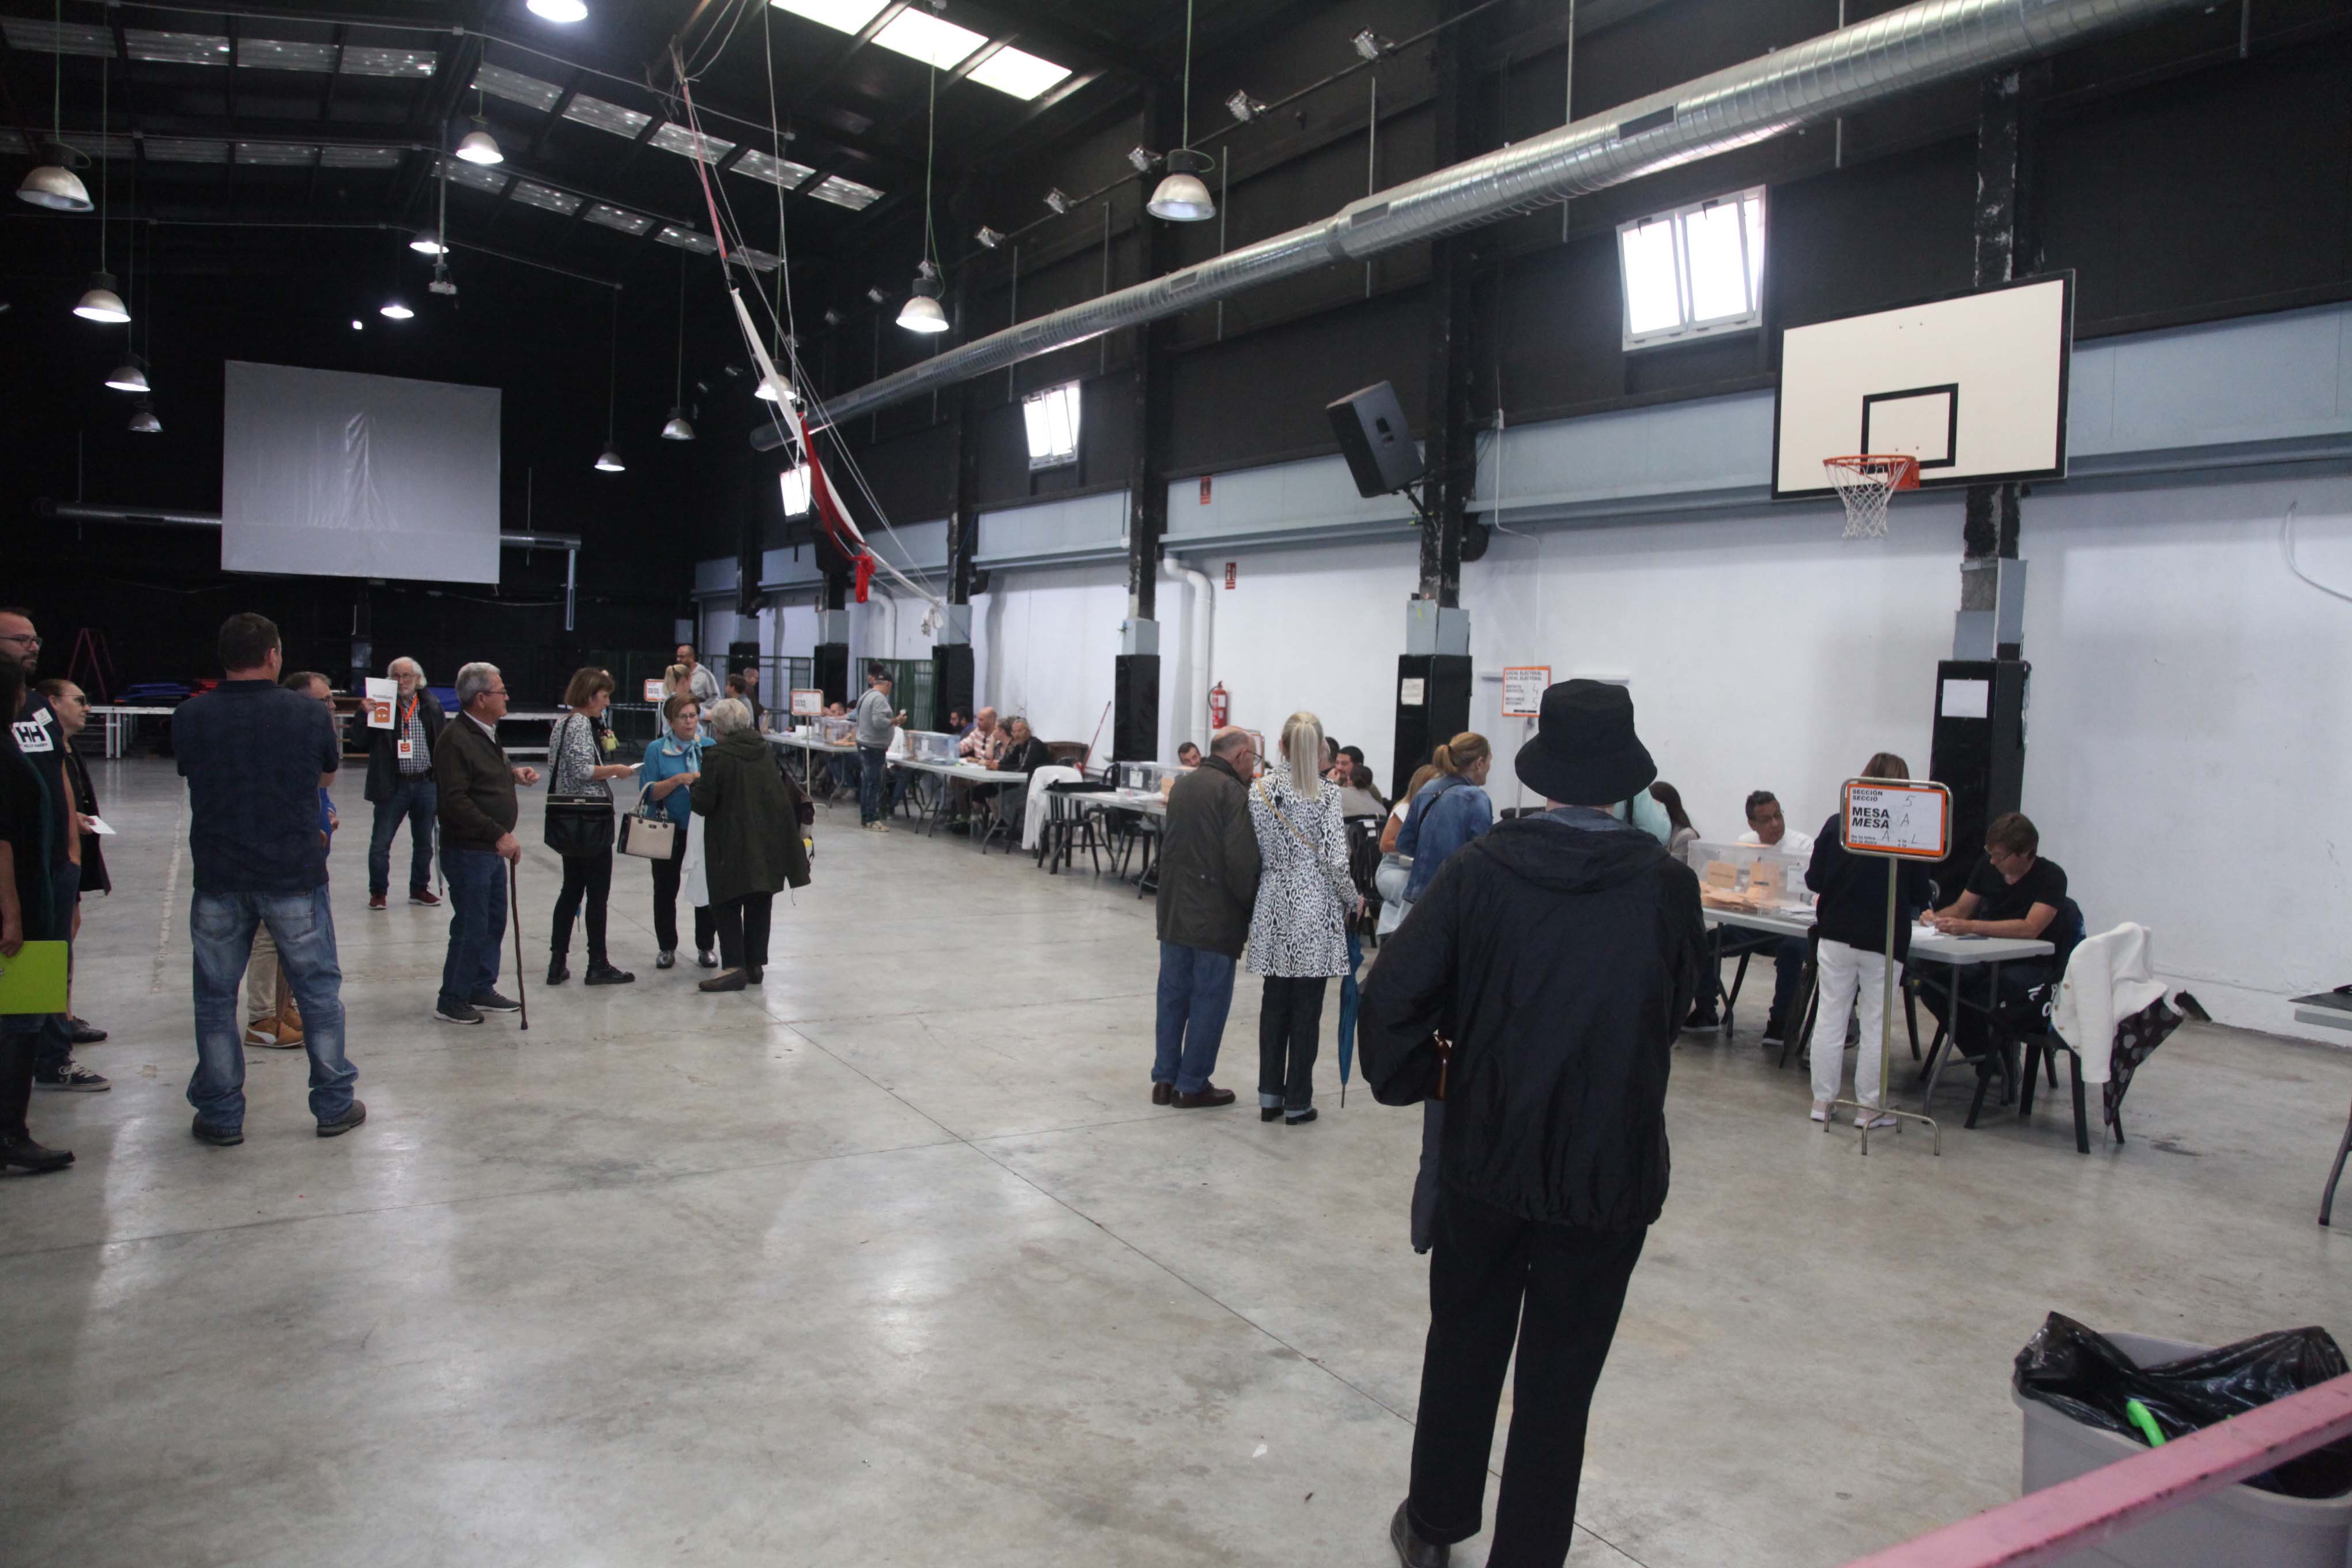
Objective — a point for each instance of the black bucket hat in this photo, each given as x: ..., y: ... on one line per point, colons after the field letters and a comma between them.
x: 1585, y: 751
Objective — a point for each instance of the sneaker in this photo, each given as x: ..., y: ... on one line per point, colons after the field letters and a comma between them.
x: 1774, y: 1033
x: 219, y: 1137
x: 68, y: 1078
x: 491, y: 1002
x: 284, y: 1040
x: 375, y: 900
x: 346, y: 1121
x: 261, y: 1032
x: 1821, y: 1110
x: 606, y: 974
x: 1702, y: 1021
x: 82, y: 1032
x: 463, y: 1013
x: 21, y: 1154
x: 1877, y: 1121
x: 705, y: 959
x: 668, y: 959
x: 423, y: 897
x: 881, y: 826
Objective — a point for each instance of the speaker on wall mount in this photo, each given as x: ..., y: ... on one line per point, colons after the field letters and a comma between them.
x: 1379, y: 445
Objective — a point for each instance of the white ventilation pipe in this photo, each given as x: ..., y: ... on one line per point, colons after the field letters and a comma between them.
x: 1200, y: 642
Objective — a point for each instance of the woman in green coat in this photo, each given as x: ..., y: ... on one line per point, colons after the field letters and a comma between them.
x: 751, y: 837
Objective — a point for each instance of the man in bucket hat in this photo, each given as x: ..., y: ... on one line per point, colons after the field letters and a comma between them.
x: 1558, y: 953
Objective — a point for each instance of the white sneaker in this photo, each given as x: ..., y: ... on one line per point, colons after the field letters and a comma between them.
x: 1878, y: 1120
x: 879, y: 827
x: 1821, y: 1110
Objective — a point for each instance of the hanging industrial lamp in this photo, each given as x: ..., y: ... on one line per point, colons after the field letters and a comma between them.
x: 922, y: 313
x: 558, y: 10
x: 1182, y: 196
x: 100, y: 303
x: 427, y: 243
x: 55, y: 186
x: 678, y: 429
x: 144, y: 421
x: 477, y: 146
x: 392, y: 310
x: 608, y: 461
x: 131, y: 375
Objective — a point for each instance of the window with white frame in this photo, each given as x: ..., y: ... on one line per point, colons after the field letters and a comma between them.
x: 1052, y: 416
x: 798, y: 489
x: 1693, y: 272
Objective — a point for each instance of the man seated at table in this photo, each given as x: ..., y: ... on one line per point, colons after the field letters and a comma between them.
x: 1022, y: 754
x: 1768, y: 826
x: 1188, y: 755
x: 983, y: 744
x: 2013, y: 892
x: 959, y: 724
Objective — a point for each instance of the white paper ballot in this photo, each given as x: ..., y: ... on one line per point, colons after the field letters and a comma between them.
x: 97, y: 825
x: 382, y: 692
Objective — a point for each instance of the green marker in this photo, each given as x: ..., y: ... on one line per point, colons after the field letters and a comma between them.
x: 2145, y: 1422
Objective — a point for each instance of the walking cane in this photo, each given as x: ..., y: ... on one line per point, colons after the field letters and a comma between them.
x: 514, y: 919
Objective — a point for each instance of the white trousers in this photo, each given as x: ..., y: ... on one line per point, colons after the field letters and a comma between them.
x: 1850, y: 975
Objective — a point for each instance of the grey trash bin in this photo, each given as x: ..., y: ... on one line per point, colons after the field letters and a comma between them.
x: 2240, y: 1525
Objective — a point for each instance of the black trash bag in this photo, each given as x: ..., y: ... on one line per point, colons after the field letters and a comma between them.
x: 2082, y: 1374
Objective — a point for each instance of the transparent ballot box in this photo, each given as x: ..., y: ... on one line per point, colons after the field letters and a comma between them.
x: 837, y: 732
x: 1749, y: 877
x: 930, y: 746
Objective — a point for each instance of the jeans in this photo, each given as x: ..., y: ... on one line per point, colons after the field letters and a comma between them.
x: 414, y: 799
x: 869, y: 781
x: 588, y: 877
x: 220, y: 926
x: 666, y: 875
x: 1196, y: 990
x: 1849, y: 974
x: 743, y: 930
x: 477, y: 923
x: 53, y: 1045
x: 1573, y: 1283
x: 1787, y: 971
x: 1289, y: 1030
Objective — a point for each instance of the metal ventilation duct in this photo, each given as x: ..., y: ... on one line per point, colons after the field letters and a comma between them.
x: 1809, y: 83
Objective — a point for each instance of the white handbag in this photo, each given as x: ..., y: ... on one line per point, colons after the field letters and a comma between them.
x: 648, y: 837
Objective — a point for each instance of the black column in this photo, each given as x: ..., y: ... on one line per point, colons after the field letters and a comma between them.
x: 951, y: 664
x: 830, y: 664
x: 2008, y: 122
x: 1135, y: 727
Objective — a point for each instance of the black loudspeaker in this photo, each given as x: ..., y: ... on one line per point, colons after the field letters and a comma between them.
x: 1134, y: 718
x: 950, y: 682
x: 1379, y: 446
x: 1978, y: 754
x: 1432, y: 707
x: 830, y: 670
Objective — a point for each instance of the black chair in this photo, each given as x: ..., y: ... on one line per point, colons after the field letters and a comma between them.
x: 2001, y: 1052
x: 2136, y: 1039
x: 1070, y: 819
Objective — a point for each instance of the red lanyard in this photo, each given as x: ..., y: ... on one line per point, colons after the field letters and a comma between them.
x: 408, y: 717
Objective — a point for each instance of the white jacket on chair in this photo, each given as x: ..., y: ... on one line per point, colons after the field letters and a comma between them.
x: 2107, y: 979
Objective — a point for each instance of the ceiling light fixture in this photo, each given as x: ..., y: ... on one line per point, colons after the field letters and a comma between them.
x: 1057, y: 199
x: 874, y: 293
x: 834, y: 318
x: 144, y: 421
x: 1142, y: 158
x: 989, y: 238
x: 558, y: 10
x: 392, y: 310
x: 608, y: 461
x: 677, y: 428
x: 922, y: 313
x: 131, y: 375
x: 1181, y: 197
x: 100, y: 303
x: 1370, y: 45
x: 1243, y: 108
x: 54, y: 185
x: 476, y: 146
x: 426, y: 242
x: 358, y: 325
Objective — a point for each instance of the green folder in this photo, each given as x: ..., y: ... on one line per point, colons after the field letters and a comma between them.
x: 34, y: 980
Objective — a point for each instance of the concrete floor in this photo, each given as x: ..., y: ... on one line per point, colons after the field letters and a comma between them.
x: 894, y: 1263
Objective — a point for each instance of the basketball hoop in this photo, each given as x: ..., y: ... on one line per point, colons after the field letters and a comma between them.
x: 1865, y: 483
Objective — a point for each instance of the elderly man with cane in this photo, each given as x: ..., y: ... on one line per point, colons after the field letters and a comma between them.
x: 477, y: 808
x: 1556, y: 953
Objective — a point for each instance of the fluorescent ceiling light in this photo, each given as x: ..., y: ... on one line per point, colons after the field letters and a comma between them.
x: 613, y: 217
x: 1021, y: 74
x: 544, y: 198
x: 687, y: 239
x: 934, y: 40
x: 846, y: 16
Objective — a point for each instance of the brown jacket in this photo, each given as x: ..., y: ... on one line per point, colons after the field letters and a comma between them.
x: 1208, y: 861
x: 477, y: 787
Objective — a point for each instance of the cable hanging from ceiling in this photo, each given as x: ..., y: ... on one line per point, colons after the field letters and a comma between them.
x: 921, y: 313
x: 100, y: 303
x: 54, y: 185
x: 1182, y: 196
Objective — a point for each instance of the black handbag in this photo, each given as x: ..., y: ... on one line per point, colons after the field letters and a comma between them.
x: 576, y: 824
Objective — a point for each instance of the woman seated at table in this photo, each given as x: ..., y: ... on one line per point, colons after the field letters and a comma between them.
x: 2013, y: 892
x: 1851, y: 921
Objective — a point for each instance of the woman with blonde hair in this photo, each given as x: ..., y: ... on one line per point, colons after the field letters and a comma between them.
x: 1449, y: 810
x: 1298, y: 929
x: 1852, y: 923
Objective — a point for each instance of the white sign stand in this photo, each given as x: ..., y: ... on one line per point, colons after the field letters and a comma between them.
x: 1892, y: 820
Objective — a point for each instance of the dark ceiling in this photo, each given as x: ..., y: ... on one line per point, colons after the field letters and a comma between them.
x: 272, y: 115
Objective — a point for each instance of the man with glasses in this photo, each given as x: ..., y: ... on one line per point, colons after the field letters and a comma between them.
x: 71, y: 705
x: 400, y: 784
x: 1209, y: 870
x: 476, y: 786
x: 42, y: 740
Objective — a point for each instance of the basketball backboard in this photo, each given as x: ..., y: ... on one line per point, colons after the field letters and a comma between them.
x: 1974, y: 386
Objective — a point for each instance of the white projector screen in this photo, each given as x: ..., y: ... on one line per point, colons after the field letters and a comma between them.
x: 329, y: 474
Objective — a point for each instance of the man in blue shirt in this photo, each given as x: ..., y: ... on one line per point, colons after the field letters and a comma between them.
x: 257, y: 758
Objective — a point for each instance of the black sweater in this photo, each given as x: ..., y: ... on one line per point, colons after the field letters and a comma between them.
x: 1853, y: 896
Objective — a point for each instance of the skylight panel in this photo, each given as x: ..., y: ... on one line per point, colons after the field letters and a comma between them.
x: 687, y: 239
x: 517, y: 88
x: 613, y: 217
x: 362, y: 61
x: 177, y: 49
x: 544, y: 198
x: 1022, y: 75
x: 606, y: 116
x: 780, y: 172
x: 844, y: 193
x: 284, y: 55
x: 847, y: 16
x: 474, y: 174
x: 359, y: 157
x: 56, y: 38
x: 277, y: 155
x: 934, y: 40
x: 676, y: 138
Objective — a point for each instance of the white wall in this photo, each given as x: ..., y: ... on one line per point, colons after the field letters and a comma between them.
x: 1045, y: 645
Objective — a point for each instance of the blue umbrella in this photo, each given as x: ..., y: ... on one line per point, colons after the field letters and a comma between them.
x: 1347, y: 1012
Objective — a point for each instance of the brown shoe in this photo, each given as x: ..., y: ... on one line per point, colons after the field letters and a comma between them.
x: 1209, y: 1095
x: 1162, y: 1093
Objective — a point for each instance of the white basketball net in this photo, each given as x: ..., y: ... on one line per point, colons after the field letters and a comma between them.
x: 1865, y: 484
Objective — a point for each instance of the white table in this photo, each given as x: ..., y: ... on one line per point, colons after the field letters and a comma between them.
x: 809, y: 747
x: 121, y: 724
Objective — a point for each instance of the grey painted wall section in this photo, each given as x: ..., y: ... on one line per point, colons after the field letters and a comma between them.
x: 2256, y: 393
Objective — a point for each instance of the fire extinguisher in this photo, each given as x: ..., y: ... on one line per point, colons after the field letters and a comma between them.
x: 1221, y: 706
